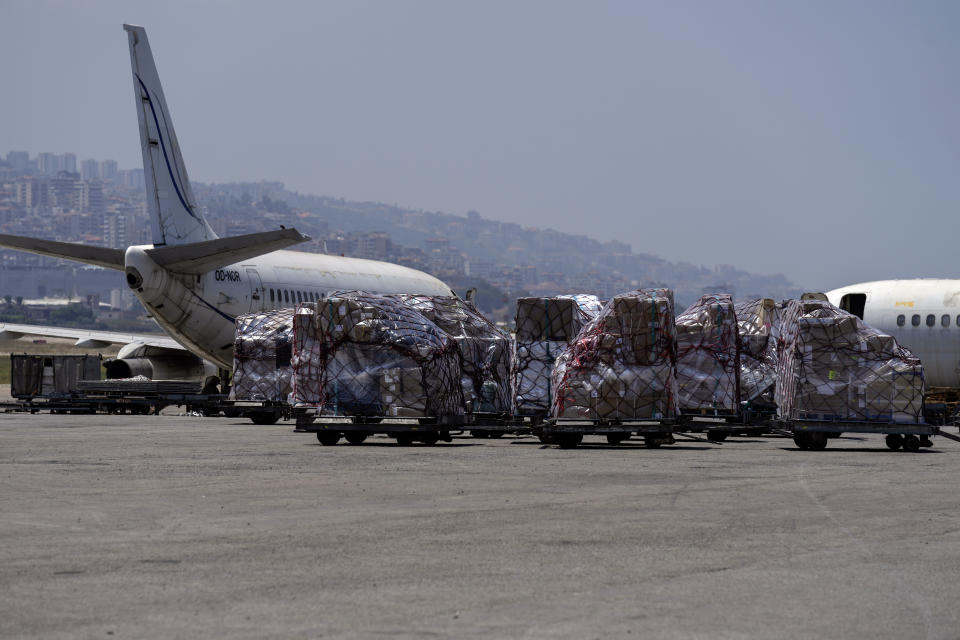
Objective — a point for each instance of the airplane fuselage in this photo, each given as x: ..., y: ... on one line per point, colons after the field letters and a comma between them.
x: 199, y: 311
x: 923, y: 315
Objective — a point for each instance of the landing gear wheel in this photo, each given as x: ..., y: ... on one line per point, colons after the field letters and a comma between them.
x: 569, y: 440
x: 355, y: 437
x: 911, y: 443
x: 715, y: 435
x: 430, y: 438
x: 328, y: 438
x: 617, y: 438
x: 894, y: 441
x: 404, y: 439
x: 264, y: 417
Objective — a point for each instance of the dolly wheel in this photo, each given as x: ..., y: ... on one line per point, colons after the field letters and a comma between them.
x: 355, y: 437
x: 617, y: 438
x: 715, y: 435
x: 480, y: 434
x: 496, y: 434
x: 328, y: 438
x: 404, y: 439
x: 925, y: 441
x: 430, y: 437
x: 569, y: 440
x: 911, y: 443
x: 894, y: 441
x: 547, y: 439
x: 802, y: 440
x: 264, y: 417
x: 651, y: 442
x: 818, y: 441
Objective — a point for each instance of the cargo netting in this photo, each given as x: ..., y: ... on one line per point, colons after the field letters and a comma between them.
x: 758, y: 322
x: 361, y: 354
x: 261, y: 356
x: 708, y: 357
x: 545, y: 326
x: 485, y: 350
x: 833, y: 366
x: 623, y: 364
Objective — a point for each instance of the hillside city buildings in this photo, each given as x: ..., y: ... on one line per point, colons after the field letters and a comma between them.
x: 55, y: 196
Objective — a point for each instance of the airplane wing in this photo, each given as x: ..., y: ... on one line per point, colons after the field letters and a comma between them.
x: 87, y: 338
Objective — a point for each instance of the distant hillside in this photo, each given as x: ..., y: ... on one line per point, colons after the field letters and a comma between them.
x: 508, y: 255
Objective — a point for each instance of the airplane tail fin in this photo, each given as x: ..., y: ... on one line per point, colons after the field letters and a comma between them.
x: 174, y: 215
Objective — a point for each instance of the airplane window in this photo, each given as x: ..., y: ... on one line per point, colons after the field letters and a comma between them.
x: 286, y: 297
x: 915, y: 320
x: 931, y: 320
x: 901, y: 320
x: 944, y: 320
x: 272, y: 294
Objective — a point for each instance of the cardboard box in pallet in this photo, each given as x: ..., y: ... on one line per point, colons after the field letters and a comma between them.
x: 552, y: 319
x: 642, y: 324
x: 402, y: 392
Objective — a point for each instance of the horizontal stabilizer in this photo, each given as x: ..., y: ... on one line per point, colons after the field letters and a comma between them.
x: 86, y: 338
x: 100, y: 256
x: 200, y: 257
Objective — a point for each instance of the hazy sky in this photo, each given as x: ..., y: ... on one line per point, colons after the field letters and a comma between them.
x: 815, y: 139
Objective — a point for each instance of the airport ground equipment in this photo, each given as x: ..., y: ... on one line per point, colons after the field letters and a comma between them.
x: 50, y: 376
x: 406, y: 430
x: 123, y: 396
x: 814, y: 434
x: 568, y: 433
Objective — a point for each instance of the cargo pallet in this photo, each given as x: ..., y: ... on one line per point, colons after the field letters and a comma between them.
x: 407, y: 430
x: 569, y: 432
x: 812, y: 433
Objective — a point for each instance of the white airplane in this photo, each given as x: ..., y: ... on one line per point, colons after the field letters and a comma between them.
x: 193, y: 283
x: 923, y: 315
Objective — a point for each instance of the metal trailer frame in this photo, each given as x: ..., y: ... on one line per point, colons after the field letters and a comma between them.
x: 813, y: 433
x: 718, y: 424
x: 569, y: 432
x: 139, y: 404
x: 406, y: 430
x: 263, y: 412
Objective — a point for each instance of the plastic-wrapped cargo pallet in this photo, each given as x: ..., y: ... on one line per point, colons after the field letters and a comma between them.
x: 833, y: 366
x: 623, y: 364
x: 545, y: 326
x: 360, y: 354
x: 484, y: 350
x: 758, y: 322
x: 261, y: 356
x: 708, y: 357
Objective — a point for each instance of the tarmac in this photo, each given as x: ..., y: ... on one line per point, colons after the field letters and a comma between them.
x: 166, y: 527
